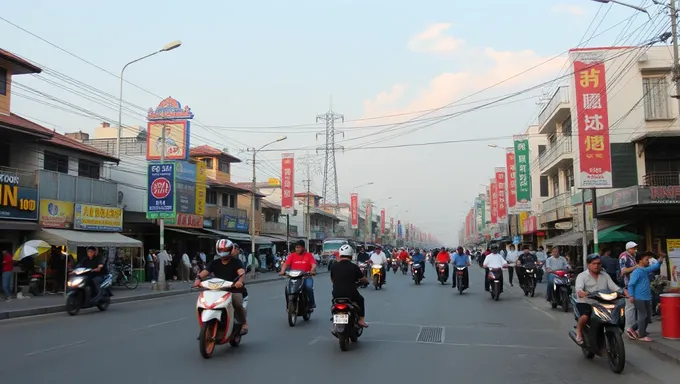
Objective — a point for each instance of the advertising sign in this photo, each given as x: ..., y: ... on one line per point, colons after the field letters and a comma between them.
x: 186, y: 197
x: 590, y: 86
x: 161, y: 191
x: 186, y: 171
x: 500, y: 189
x: 232, y: 223
x: 511, y: 179
x: 56, y: 214
x: 400, y: 229
x: 176, y: 140
x: 201, y: 186
x: 354, y: 210
x: 382, y: 221
x: 88, y: 217
x: 185, y: 220
x: 494, y: 202
x: 287, y: 182
x: 17, y: 203
x: 673, y: 250
x: 523, y: 170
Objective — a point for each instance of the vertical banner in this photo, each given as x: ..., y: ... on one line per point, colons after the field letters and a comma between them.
x: 201, y: 186
x: 494, y: 202
x: 482, y: 213
x: 382, y: 221
x: 502, y: 206
x: 354, y: 210
x: 511, y: 179
x: 287, y: 182
x: 523, y: 169
x: 400, y: 229
x: 590, y: 87
x: 392, y: 226
x: 369, y: 220
x: 161, y: 191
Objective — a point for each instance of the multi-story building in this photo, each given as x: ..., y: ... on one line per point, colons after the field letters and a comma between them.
x: 530, y: 223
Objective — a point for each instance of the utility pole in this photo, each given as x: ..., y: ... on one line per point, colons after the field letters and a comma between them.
x: 308, y: 220
x: 161, y: 284
x: 330, y: 173
x: 676, y: 56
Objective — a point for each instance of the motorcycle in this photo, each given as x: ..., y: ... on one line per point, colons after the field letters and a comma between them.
x: 539, y: 271
x: 529, y: 286
x: 364, y: 269
x: 404, y: 267
x: 561, y: 290
x: 345, y: 319
x: 417, y: 272
x: 376, y: 276
x: 602, y: 335
x: 395, y: 267
x: 297, y: 302
x: 215, y: 313
x: 442, y: 276
x: 495, y: 276
x: 79, y: 294
x: 460, y: 274
x: 36, y: 284
x: 277, y: 265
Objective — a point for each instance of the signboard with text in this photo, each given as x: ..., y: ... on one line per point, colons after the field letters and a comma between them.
x: 502, y: 200
x: 354, y: 210
x: 16, y: 202
x: 523, y: 174
x: 287, y: 182
x: 511, y: 179
x: 161, y: 191
x: 89, y: 217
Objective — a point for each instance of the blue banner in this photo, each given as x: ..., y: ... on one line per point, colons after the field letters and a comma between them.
x: 161, y: 191
x: 231, y: 223
x: 399, y: 230
x: 186, y: 171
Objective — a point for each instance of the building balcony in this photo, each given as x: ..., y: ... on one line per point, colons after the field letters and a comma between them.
x: 274, y: 227
x: 557, y: 208
x: 26, y: 178
x: 557, y: 156
x: 661, y: 179
x: 235, y: 212
x: 60, y: 186
x: 556, y: 111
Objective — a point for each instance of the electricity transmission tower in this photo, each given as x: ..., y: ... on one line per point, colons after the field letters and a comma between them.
x: 330, y: 172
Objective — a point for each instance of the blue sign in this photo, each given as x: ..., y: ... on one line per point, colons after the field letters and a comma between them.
x: 232, y: 223
x: 186, y: 171
x: 517, y: 240
x: 161, y: 191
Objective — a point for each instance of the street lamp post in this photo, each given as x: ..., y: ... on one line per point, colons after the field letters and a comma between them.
x: 254, y: 192
x: 166, y: 48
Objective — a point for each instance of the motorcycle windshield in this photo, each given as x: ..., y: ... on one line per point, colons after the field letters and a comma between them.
x: 294, y: 285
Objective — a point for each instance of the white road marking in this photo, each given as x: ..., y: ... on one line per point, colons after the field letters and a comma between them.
x: 315, y: 340
x: 467, y: 345
x: 56, y: 348
x: 158, y: 324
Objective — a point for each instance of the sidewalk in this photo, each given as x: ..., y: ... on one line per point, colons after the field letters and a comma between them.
x: 54, y: 303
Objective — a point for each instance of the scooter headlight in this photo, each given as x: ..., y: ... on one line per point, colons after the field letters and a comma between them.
x: 604, y: 315
x: 76, y: 282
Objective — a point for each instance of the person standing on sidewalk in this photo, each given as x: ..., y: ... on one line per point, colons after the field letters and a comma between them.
x: 627, y: 265
x: 511, y: 258
x: 185, y: 268
x: 7, y: 274
x: 640, y: 292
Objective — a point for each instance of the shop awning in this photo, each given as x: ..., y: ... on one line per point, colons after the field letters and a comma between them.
x: 75, y: 239
x: 187, y: 231
x: 276, y: 238
x: 230, y: 235
x: 570, y: 239
x: 615, y: 234
x: 19, y: 225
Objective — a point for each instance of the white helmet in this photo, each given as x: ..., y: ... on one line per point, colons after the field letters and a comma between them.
x: 223, y: 247
x: 346, y: 250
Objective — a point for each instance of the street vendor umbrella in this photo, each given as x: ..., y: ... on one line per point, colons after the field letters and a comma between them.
x: 31, y: 248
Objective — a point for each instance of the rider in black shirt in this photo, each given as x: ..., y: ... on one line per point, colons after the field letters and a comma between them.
x: 344, y: 276
x: 97, y: 264
x: 525, y: 260
x: 362, y: 256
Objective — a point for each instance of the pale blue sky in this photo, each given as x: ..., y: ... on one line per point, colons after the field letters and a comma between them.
x: 276, y: 63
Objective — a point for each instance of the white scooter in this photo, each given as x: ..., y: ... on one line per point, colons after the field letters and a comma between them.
x: 216, y: 316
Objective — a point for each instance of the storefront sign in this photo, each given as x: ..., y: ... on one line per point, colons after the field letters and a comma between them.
x: 17, y: 203
x: 529, y: 225
x: 502, y: 200
x: 590, y: 86
x: 523, y: 170
x: 232, y: 223
x: 186, y: 197
x: 88, y: 217
x: 664, y: 195
x: 511, y: 179
x: 287, y: 182
x: 673, y: 250
x: 619, y: 199
x: 185, y: 171
x: 201, y: 186
x: 161, y: 191
x: 207, y: 223
x: 354, y: 210
x: 186, y: 220
x: 56, y: 214
x: 494, y: 202
x: 169, y: 109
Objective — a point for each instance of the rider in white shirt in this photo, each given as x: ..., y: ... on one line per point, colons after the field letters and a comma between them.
x: 493, y: 261
x: 378, y: 258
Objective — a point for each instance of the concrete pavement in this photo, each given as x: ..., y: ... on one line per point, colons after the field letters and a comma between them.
x: 510, y: 341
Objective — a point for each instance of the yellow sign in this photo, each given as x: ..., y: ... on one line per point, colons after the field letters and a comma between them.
x: 56, y: 214
x: 673, y: 249
x: 201, y: 180
x: 98, y: 218
x: 176, y: 140
x: 274, y: 182
x: 522, y: 217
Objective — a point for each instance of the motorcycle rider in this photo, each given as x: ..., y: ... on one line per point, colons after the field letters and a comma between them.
x: 403, y: 256
x: 230, y: 268
x: 493, y: 261
x: 97, y: 264
x: 526, y: 259
x: 362, y: 256
x: 590, y: 280
x: 554, y: 263
x: 344, y: 277
x: 303, y: 261
x: 419, y: 258
x: 378, y: 258
x: 444, y: 257
x: 461, y: 260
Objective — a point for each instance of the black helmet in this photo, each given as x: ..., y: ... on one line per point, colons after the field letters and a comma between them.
x: 91, y: 248
x: 300, y: 243
x: 493, y: 248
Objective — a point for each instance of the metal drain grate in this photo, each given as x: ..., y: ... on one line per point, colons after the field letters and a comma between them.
x: 431, y: 335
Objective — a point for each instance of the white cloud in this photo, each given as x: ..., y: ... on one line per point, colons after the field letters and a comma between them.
x: 573, y: 10
x: 435, y: 40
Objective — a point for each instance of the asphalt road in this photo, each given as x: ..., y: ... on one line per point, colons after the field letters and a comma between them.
x: 515, y: 340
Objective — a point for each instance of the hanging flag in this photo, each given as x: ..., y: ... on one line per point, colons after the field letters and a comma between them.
x: 287, y: 182
x: 354, y: 210
x: 494, y: 202
x: 382, y: 221
x: 500, y: 189
x: 523, y: 169
x: 511, y: 179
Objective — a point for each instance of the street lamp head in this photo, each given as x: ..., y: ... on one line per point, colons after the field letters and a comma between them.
x: 492, y: 146
x: 281, y: 138
x: 172, y: 45
x: 371, y: 183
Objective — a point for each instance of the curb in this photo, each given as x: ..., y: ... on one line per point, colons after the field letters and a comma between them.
x: 50, y: 309
x: 662, y: 351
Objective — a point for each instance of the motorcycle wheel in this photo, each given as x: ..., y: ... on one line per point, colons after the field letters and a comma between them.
x: 292, y: 314
x: 565, y: 303
x: 235, y: 341
x: 587, y: 354
x: 616, y: 352
x: 376, y: 282
x: 553, y: 303
x: 344, y: 342
x: 104, y: 304
x: 307, y: 316
x: 73, y: 304
x: 131, y: 282
x: 496, y: 292
x: 206, y: 339
x: 533, y: 291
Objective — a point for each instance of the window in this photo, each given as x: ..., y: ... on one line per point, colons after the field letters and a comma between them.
x: 556, y: 185
x: 55, y: 162
x: 223, y: 166
x: 541, y: 149
x: 210, y: 197
x: 208, y: 163
x: 544, y: 187
x: 656, y: 97
x: 88, y: 169
x: 3, y: 81
x: 228, y: 200
x: 569, y: 174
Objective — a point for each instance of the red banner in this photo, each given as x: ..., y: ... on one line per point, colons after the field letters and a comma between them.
x: 287, y: 181
x: 502, y: 206
x: 590, y: 86
x: 382, y: 221
x: 494, y: 202
x: 354, y: 210
x: 511, y: 179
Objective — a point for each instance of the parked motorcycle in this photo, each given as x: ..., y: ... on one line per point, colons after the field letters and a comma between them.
x: 460, y: 274
x: 345, y: 317
x: 79, y: 294
x: 364, y: 269
x: 417, y: 272
x: 36, y: 284
x: 376, y: 276
x: 297, y: 302
x: 529, y: 286
x: 495, y: 276
x: 215, y: 313
x: 561, y: 289
x: 442, y: 276
x: 602, y: 335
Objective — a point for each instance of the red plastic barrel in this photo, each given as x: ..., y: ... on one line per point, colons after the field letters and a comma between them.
x: 670, y: 316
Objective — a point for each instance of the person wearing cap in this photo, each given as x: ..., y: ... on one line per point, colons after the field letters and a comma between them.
x: 378, y: 258
x: 97, y: 264
x: 627, y: 265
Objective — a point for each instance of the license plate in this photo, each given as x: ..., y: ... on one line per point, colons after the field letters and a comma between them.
x: 341, y: 318
x: 460, y: 272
